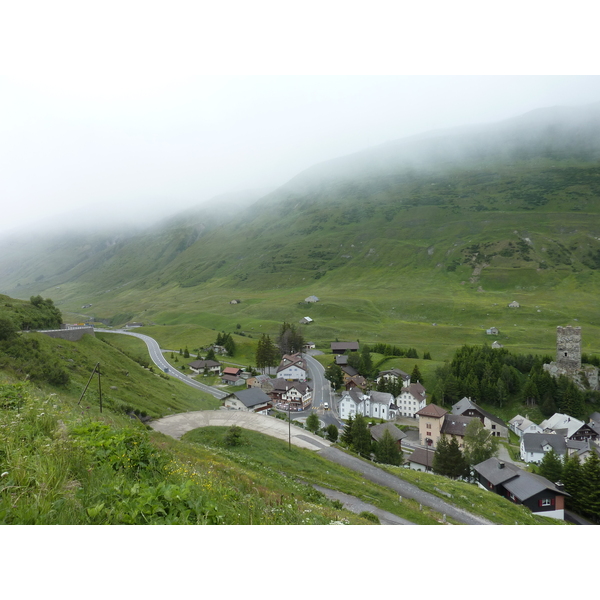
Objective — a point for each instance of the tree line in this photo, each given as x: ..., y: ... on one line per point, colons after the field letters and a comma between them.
x: 581, y: 481
x: 497, y: 376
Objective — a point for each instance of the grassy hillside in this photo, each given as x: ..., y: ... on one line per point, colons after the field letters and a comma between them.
x: 422, y: 242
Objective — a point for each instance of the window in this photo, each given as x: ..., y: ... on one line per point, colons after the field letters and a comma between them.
x: 546, y: 502
x: 428, y: 425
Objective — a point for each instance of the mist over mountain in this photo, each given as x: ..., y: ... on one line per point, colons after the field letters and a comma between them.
x: 497, y: 208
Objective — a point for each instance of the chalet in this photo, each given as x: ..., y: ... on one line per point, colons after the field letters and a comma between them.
x: 468, y: 408
x: 294, y: 395
x: 492, y: 331
x: 570, y: 428
x: 264, y: 382
x: 514, y: 304
x: 455, y: 426
x: 496, y: 345
x: 411, y: 399
x: 305, y: 321
x: 341, y: 360
x: 309, y: 346
x: 311, y: 299
x: 431, y: 419
x: 397, y: 434
x: 534, y: 446
x: 342, y: 347
x: 358, y: 381
x: 348, y: 372
x: 292, y: 367
x: 232, y: 376
x: 520, y: 425
x: 421, y: 460
x: 248, y: 400
x: 212, y: 366
x: 394, y: 375
x: 535, y: 492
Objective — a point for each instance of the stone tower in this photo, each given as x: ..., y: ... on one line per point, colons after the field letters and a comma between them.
x: 568, y: 348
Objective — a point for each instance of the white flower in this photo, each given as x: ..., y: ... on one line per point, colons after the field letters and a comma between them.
x: 4, y: 474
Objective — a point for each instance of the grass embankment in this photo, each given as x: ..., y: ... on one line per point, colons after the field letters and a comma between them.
x: 310, y: 467
x: 126, y: 385
x: 62, y: 464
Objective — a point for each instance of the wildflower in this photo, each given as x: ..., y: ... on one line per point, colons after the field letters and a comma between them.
x: 4, y: 474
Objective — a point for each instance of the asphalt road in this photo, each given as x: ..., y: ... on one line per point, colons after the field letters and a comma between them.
x: 159, y: 360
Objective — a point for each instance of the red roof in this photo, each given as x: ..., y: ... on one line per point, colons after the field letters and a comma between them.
x: 231, y: 370
x: 432, y: 410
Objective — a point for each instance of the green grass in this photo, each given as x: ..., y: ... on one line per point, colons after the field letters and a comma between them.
x: 61, y: 465
x: 309, y: 466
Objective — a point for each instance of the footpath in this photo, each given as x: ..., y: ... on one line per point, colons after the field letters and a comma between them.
x: 177, y: 425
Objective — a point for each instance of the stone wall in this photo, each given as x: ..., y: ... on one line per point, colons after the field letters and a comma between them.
x: 568, y: 348
x: 73, y: 335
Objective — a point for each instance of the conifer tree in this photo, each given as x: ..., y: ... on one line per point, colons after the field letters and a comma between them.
x: 387, y: 451
x: 346, y: 437
x: 551, y: 466
x: 590, y: 496
x: 361, y: 437
x: 415, y: 376
x: 572, y: 479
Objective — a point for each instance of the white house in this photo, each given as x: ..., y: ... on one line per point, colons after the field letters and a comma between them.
x: 521, y: 425
x: 294, y: 394
x: 378, y: 405
x: 394, y: 375
x: 563, y: 424
x: 411, y: 400
x: 292, y: 367
x: 534, y: 446
x: 248, y: 400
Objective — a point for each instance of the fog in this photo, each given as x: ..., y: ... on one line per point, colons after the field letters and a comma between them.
x: 125, y: 116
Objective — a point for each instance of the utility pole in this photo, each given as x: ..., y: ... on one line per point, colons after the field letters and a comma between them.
x: 96, y: 369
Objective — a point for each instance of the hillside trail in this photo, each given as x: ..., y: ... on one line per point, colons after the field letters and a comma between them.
x: 177, y: 425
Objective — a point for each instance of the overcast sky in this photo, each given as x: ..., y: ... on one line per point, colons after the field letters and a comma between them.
x: 123, y: 109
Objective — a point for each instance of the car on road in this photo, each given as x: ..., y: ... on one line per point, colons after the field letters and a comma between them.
x: 326, y: 405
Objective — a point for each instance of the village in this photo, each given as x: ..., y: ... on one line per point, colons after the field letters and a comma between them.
x: 396, y: 404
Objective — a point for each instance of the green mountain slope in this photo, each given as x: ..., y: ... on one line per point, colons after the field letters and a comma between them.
x: 444, y: 228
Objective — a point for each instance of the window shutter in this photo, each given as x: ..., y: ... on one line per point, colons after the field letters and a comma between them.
x: 552, y: 502
x: 540, y: 502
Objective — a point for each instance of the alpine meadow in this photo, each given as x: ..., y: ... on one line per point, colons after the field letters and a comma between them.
x: 424, y: 244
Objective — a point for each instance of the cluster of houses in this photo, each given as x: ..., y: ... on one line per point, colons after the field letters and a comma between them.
x: 383, y: 405
x: 562, y: 433
x: 288, y: 391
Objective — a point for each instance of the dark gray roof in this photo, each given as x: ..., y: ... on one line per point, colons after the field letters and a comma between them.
x: 396, y: 373
x: 350, y: 371
x: 378, y: 430
x: 466, y: 403
x: 344, y: 345
x: 422, y: 456
x: 533, y: 442
x: 201, y: 364
x: 251, y: 397
x: 280, y: 385
x: 497, y: 471
x: 521, y: 483
x: 529, y: 484
x: 381, y: 397
x: 455, y: 424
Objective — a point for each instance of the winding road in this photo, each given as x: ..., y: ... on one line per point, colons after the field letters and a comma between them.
x: 159, y: 360
x: 176, y: 425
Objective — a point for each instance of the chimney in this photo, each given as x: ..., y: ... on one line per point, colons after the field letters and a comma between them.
x: 500, y: 464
